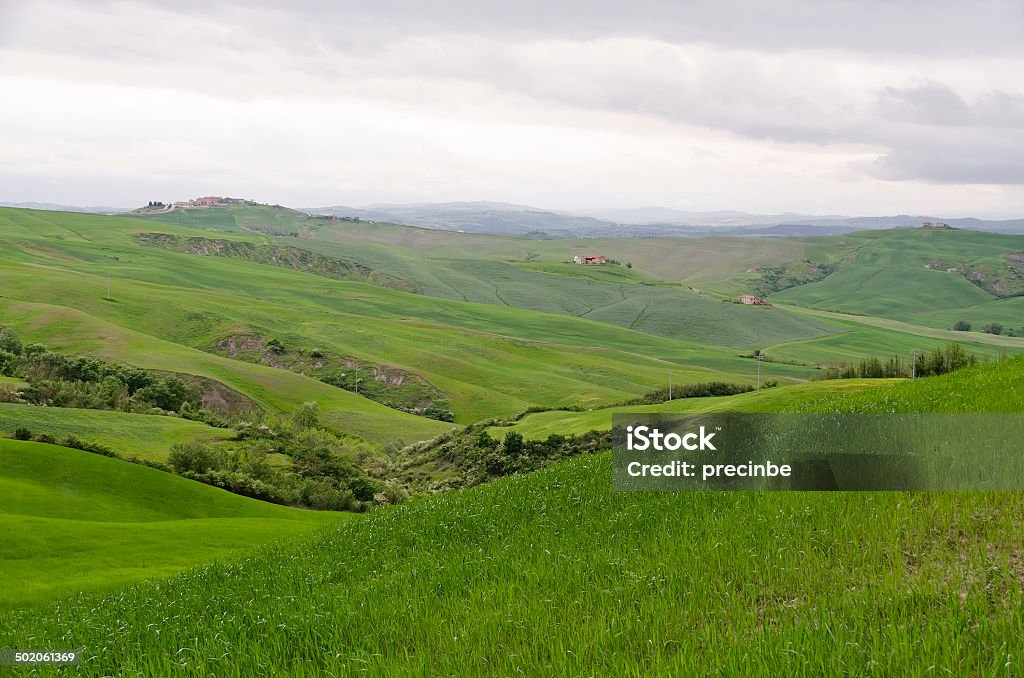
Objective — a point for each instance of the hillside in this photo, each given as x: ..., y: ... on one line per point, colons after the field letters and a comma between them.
x: 75, y: 521
x: 540, y: 425
x: 900, y: 274
x: 554, y: 572
x: 131, y: 435
x: 170, y: 310
x: 667, y: 311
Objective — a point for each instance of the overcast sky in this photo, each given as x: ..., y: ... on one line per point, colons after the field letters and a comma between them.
x: 827, y: 107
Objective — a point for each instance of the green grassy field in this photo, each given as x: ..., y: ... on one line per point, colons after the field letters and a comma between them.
x: 540, y: 425
x: 130, y: 435
x: 556, y: 573
x: 602, y: 293
x: 898, y: 274
x: 547, y: 573
x: 278, y: 390
x: 490, y: 360
x: 721, y: 264
x: 74, y: 522
x: 1008, y: 312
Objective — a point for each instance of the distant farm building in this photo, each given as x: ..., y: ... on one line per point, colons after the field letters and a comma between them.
x: 751, y: 300
x: 588, y: 259
x: 937, y: 224
x: 200, y: 203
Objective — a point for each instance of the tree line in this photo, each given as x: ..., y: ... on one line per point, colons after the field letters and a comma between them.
x: 940, y: 360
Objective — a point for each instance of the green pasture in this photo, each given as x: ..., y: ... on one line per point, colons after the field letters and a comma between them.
x: 129, y: 435
x: 540, y: 425
x: 72, y: 521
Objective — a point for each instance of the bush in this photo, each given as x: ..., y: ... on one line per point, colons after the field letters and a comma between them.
x: 699, y: 390
x: 8, y: 362
x: 962, y: 325
x: 79, y: 444
x: 9, y: 342
x: 22, y: 433
x: 45, y: 438
x: 195, y: 457
x: 307, y: 416
x: 993, y: 328
x: 170, y: 393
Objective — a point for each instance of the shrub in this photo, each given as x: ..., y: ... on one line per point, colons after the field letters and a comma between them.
x: 45, y: 438
x: 195, y: 457
x: 22, y: 433
x: 79, y: 444
x: 962, y: 325
x: 8, y: 362
x: 307, y: 416
x: 9, y: 341
x: 993, y: 328
x: 170, y: 393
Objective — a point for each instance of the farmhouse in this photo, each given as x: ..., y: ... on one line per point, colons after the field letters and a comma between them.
x: 751, y: 300
x: 206, y: 201
x: 588, y: 259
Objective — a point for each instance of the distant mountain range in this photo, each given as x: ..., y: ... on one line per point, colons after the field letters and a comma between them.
x: 52, y: 207
x: 509, y: 219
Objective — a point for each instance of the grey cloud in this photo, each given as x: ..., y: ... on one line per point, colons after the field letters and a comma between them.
x: 951, y: 27
x: 956, y: 156
x: 936, y: 104
x: 754, y: 69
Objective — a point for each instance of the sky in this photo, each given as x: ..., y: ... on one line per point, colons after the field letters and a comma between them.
x: 864, y: 107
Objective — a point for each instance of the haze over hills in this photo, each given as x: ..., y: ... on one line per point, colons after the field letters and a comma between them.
x: 511, y: 219
x: 498, y: 218
x: 54, y: 207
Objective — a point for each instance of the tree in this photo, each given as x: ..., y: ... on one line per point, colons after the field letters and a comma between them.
x: 993, y: 328
x: 170, y: 393
x: 307, y: 416
x: 513, y: 443
x: 962, y: 325
x: 196, y: 457
x: 9, y: 341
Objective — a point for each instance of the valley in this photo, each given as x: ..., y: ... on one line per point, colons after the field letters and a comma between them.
x: 458, y: 389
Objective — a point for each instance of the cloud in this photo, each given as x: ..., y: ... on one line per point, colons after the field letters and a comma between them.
x: 563, y: 103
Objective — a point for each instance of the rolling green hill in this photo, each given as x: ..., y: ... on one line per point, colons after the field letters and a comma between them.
x: 720, y: 264
x: 556, y: 573
x: 902, y: 273
x: 540, y: 425
x: 488, y: 360
x: 73, y: 521
x: 897, y: 274
x: 130, y: 435
x: 241, y: 217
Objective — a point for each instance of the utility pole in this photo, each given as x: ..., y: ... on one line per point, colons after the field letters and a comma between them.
x: 108, y: 285
x: 759, y: 359
x: 670, y: 386
x: 913, y: 365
